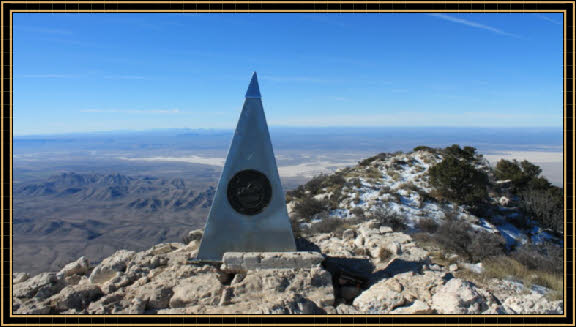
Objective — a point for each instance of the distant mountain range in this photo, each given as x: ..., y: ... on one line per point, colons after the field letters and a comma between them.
x: 70, y: 213
x: 144, y: 193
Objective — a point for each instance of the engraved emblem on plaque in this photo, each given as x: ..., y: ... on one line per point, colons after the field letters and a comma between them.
x: 249, y: 192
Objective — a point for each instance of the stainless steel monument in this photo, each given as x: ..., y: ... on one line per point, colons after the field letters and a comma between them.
x: 248, y: 213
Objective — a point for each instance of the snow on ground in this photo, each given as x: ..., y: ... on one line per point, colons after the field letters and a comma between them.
x: 399, y: 190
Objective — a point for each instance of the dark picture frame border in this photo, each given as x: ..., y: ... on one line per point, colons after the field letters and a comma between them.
x: 9, y: 8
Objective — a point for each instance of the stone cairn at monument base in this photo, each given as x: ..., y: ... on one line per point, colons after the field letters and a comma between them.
x: 242, y: 262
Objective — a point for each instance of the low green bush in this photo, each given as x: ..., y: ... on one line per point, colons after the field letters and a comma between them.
x: 459, y: 181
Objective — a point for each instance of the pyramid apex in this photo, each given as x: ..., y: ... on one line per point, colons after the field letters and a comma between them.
x: 253, y: 88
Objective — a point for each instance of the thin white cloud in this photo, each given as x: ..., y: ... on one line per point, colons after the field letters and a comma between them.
x: 548, y: 19
x: 134, y: 111
x: 414, y: 118
x: 474, y: 24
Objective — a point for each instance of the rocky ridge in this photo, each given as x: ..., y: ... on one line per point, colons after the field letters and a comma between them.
x: 400, y: 184
x: 370, y: 267
x: 344, y: 275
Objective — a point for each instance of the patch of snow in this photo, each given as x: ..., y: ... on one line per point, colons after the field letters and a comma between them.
x: 511, y: 234
x: 484, y: 224
x: 339, y: 213
x: 474, y: 267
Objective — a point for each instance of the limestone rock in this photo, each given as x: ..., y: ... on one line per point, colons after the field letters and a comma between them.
x: 227, y: 295
x: 137, y: 306
x: 75, y: 297
x: 41, y: 286
x: 160, y: 280
x: 348, y: 234
x: 290, y: 304
x: 532, y: 304
x: 173, y: 311
x: 460, y: 297
x: 344, y: 309
x: 195, y: 290
x: 155, y: 295
x: 19, y: 277
x: 78, y: 267
x: 33, y: 308
x: 163, y: 248
x: 385, y: 229
x: 111, y: 266
x: 195, y: 235
x: 373, y: 224
x: 380, y: 298
x: 106, y: 304
x: 74, y: 280
x: 416, y: 307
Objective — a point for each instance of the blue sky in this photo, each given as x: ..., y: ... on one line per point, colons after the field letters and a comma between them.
x: 100, y: 72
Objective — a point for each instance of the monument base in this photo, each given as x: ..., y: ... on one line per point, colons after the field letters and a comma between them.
x: 196, y: 261
x: 245, y: 261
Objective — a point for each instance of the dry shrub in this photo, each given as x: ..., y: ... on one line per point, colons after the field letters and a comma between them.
x: 453, y: 235
x: 335, y: 199
x: 384, y: 254
x: 358, y: 212
x: 409, y: 186
x: 296, y: 228
x: 484, y: 244
x: 396, y: 176
x: 451, y: 214
x: 419, y: 169
x: 437, y: 195
x: 308, y: 207
x: 503, y: 267
x: 373, y: 173
x: 356, y: 182
x: 425, y: 196
x: 458, y: 236
x: 545, y: 257
x: 427, y: 225
x: 387, y: 217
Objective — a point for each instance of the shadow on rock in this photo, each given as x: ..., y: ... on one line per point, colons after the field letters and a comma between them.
x: 350, y: 277
x: 303, y: 244
x: 397, y: 266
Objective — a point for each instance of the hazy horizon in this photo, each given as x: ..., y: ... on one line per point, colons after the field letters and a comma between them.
x: 292, y: 127
x: 301, y: 151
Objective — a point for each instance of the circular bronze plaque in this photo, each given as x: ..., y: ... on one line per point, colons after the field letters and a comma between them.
x: 249, y: 192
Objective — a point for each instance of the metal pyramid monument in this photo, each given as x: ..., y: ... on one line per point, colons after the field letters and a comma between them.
x: 248, y: 213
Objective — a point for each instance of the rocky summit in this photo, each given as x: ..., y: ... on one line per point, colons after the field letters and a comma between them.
x: 434, y: 231
x: 341, y: 275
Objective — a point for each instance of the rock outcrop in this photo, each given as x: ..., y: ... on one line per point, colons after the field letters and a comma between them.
x: 370, y: 269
